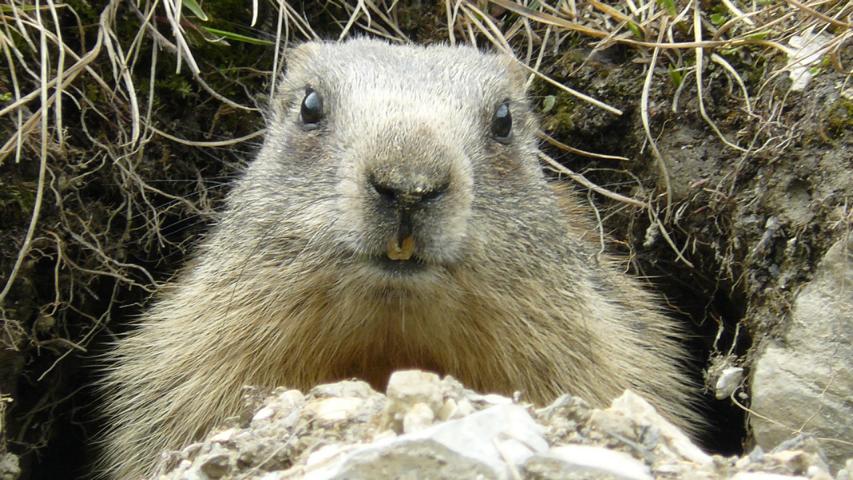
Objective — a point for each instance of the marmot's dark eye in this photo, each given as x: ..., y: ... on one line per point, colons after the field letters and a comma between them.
x: 502, y: 123
x: 312, y: 108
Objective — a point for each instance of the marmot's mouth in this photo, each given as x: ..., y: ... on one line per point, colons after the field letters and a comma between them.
x: 399, y: 267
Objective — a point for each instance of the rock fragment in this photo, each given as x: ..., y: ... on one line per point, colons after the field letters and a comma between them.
x: 489, y: 443
x: 585, y: 462
x: 804, y: 382
x: 10, y: 469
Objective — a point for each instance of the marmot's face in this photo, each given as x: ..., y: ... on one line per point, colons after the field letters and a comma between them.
x: 423, y: 154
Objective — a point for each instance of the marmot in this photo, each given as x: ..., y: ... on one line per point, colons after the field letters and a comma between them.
x: 396, y: 217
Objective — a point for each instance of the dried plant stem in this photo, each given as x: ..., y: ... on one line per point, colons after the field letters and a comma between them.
x: 644, y: 115
x: 819, y: 15
x: 739, y: 15
x: 218, y: 143
x: 28, y: 239
x: 697, y: 33
x: 577, y: 151
x: 16, y: 88
x: 557, y: 166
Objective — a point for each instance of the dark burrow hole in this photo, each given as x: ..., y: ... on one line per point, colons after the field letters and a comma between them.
x: 58, y: 415
x: 710, y: 314
x: 53, y: 423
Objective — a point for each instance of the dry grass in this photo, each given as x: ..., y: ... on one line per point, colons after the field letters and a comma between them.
x: 670, y: 34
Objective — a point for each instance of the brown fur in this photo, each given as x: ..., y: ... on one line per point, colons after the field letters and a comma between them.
x: 287, y: 290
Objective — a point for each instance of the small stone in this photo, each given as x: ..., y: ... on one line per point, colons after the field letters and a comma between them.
x: 477, y: 434
x: 797, y: 461
x: 633, y: 406
x: 419, y: 417
x: 463, y: 409
x: 191, y: 450
x: 409, y: 388
x: 334, y: 409
x: 276, y: 476
x: 613, y: 424
x: 816, y: 473
x: 764, y: 476
x: 223, y: 436
x: 447, y: 410
x: 263, y: 414
x: 743, y: 462
x: 757, y: 454
x: 414, y: 386
x: 846, y: 473
x: 325, y: 454
x: 583, y: 461
x: 10, y: 468
x: 384, y: 435
x: 494, y: 399
x: 291, y: 399
x: 215, y: 466
x: 346, y: 388
x: 728, y: 382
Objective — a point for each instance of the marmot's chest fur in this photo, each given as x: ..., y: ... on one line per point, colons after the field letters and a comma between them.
x: 396, y: 217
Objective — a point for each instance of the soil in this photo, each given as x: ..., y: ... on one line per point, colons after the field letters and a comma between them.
x: 745, y: 230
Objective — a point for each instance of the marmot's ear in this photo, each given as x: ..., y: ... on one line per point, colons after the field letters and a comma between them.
x: 294, y: 56
x: 516, y: 72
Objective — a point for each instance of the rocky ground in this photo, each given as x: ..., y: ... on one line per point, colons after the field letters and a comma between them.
x: 430, y: 428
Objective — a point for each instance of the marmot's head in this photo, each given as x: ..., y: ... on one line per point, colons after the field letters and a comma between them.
x: 410, y: 159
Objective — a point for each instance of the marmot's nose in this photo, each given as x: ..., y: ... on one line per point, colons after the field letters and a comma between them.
x: 408, y: 194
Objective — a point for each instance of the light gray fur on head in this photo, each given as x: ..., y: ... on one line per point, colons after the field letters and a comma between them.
x: 412, y: 114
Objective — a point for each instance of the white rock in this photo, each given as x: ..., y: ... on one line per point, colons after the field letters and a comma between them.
x: 415, y: 386
x: 447, y: 410
x: 412, y: 390
x: 419, y: 417
x: 326, y: 453
x: 632, y: 405
x: 511, y: 425
x: 345, y: 388
x: 484, y: 444
x: 764, y: 476
x: 463, y: 409
x: 285, y: 404
x: 728, y: 381
x: 263, y: 414
x: 274, y: 476
x: 291, y: 399
x: 224, y: 435
x: 816, y: 473
x: 807, y: 49
x: 334, y: 409
x: 414, y: 459
x: 493, y: 399
x: 846, y: 473
x: 581, y: 460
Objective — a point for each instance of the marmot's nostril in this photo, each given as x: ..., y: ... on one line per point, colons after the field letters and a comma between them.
x: 387, y: 193
x: 435, y: 193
